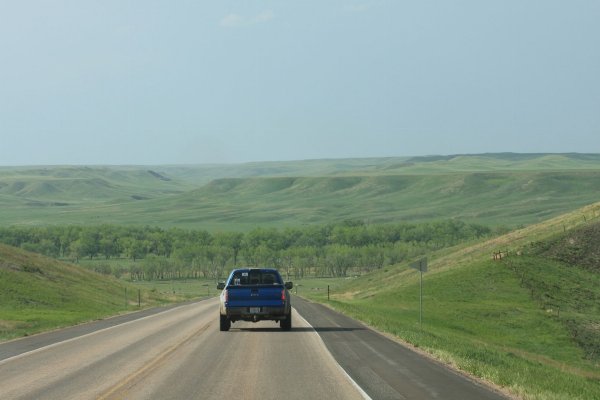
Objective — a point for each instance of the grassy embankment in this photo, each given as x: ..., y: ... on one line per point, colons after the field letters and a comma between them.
x: 39, y: 294
x: 529, y: 323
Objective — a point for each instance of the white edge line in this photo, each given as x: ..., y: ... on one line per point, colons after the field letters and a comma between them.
x: 38, y: 350
x: 364, y: 394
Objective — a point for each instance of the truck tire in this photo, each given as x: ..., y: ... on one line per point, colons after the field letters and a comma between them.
x: 224, y: 323
x: 286, y: 324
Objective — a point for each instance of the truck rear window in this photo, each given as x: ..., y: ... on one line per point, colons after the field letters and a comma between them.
x: 255, y: 278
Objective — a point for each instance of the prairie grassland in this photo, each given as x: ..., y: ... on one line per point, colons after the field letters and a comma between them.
x: 493, y: 189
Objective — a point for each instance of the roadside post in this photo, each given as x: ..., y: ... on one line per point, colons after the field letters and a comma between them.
x: 421, y: 266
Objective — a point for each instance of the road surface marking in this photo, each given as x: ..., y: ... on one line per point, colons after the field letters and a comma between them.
x: 364, y: 394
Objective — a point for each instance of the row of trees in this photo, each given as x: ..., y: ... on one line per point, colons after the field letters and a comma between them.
x: 295, y: 262
x: 159, y: 253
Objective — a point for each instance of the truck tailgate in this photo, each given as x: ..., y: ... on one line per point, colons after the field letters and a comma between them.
x: 255, y: 296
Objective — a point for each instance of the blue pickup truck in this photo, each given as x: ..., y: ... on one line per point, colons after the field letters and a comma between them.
x: 255, y: 294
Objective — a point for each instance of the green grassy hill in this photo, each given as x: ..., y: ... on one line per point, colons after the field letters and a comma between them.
x: 202, y: 174
x: 491, y: 198
x: 39, y: 293
x: 501, y: 198
x: 495, y: 189
x: 499, y: 162
x: 529, y: 322
x: 76, y: 185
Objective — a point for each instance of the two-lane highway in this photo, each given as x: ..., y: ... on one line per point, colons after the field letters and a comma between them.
x: 180, y: 354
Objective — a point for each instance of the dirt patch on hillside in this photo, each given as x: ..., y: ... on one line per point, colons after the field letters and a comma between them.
x: 6, y: 325
x: 580, y: 247
x: 9, y: 266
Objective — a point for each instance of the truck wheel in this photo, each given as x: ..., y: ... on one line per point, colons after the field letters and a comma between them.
x: 286, y: 324
x: 224, y: 323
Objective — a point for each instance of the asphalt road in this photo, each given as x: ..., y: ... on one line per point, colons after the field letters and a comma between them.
x: 180, y: 354
x: 385, y: 369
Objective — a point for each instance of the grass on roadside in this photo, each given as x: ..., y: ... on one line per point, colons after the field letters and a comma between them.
x: 482, y: 321
x: 39, y: 294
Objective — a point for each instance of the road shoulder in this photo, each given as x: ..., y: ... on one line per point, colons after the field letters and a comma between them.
x: 384, y: 366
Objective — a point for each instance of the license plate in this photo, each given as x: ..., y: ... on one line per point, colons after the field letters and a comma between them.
x: 254, y: 310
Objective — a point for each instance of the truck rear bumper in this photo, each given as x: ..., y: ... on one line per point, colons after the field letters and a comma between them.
x: 256, y: 313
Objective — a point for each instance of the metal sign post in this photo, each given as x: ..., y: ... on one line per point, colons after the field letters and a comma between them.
x: 420, y: 265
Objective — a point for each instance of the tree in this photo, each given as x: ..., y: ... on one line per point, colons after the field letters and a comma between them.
x: 153, y: 267
x: 339, y: 259
x: 76, y: 250
x: 133, y: 248
x: 231, y: 240
x: 109, y: 247
x: 372, y: 257
x: 287, y: 261
x: 89, y: 241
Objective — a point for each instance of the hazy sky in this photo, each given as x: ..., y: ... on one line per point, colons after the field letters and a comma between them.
x: 155, y: 82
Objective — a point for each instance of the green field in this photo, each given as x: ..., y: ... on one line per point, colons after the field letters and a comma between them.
x: 493, y: 189
x: 529, y: 322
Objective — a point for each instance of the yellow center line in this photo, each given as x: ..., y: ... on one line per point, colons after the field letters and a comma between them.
x: 119, y: 390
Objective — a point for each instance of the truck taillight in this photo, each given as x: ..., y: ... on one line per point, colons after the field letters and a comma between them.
x: 283, y: 295
x: 225, y: 295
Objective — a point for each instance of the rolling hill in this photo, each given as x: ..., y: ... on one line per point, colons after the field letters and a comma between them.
x: 199, y: 174
x: 77, y: 185
x: 39, y: 293
x: 496, y: 189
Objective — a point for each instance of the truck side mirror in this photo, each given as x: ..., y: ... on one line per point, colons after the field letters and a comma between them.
x: 220, y: 285
x: 289, y: 285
